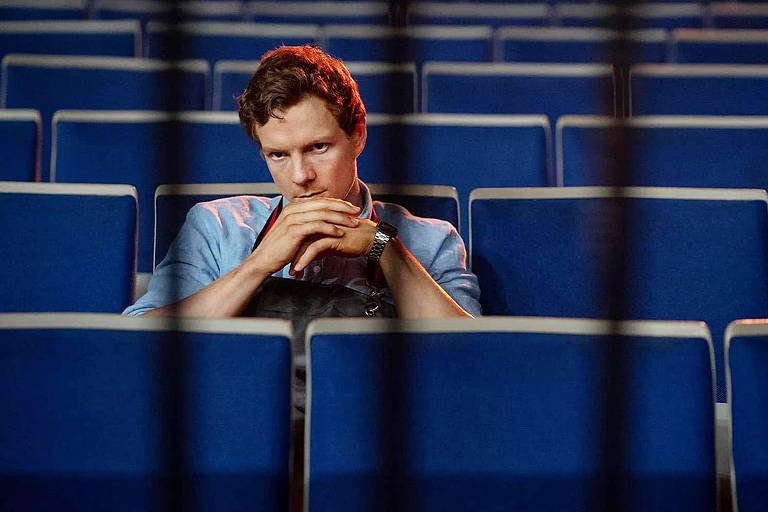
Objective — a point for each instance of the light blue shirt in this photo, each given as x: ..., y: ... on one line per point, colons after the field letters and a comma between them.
x: 218, y: 235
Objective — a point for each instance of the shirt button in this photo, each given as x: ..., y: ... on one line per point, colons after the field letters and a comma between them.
x: 316, y: 269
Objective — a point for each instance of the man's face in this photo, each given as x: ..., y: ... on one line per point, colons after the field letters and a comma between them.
x: 309, y: 155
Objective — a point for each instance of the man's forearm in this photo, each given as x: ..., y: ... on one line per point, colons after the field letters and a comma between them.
x: 225, y: 297
x: 416, y: 294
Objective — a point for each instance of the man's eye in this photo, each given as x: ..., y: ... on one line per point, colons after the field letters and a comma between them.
x: 276, y: 155
x: 320, y: 146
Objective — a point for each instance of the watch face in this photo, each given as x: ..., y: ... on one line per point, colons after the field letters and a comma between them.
x: 387, y: 228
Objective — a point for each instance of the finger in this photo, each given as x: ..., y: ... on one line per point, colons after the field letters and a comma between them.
x: 314, y: 228
x: 330, y: 216
x: 326, y: 203
x: 310, y: 251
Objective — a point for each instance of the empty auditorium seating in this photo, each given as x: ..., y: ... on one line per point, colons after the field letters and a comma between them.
x: 373, y: 12
x: 385, y: 88
x: 115, y: 38
x: 635, y: 253
x: 643, y: 15
x: 51, y: 83
x: 720, y: 46
x: 698, y: 89
x: 172, y: 202
x: 67, y: 247
x: 20, y: 140
x: 460, y: 150
x: 739, y: 15
x: 474, y: 13
x: 118, y: 413
x: 509, y: 414
x: 471, y: 43
x: 215, y: 41
x: 147, y: 149
x: 551, y: 89
x: 571, y: 45
x: 43, y: 10
x: 747, y: 354
x: 672, y: 151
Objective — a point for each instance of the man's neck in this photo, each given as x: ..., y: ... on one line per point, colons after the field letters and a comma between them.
x: 354, y: 195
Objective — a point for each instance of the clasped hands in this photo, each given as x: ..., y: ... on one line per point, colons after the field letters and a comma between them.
x: 306, y: 230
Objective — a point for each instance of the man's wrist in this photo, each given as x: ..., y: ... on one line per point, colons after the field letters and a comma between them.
x: 385, y: 232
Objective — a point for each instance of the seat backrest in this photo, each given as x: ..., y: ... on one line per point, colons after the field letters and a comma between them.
x: 508, y: 414
x: 746, y: 343
x: 739, y: 15
x: 172, y: 202
x: 571, y: 45
x: 43, y: 10
x: 720, y: 46
x: 51, y: 83
x: 161, y: 10
x: 636, y: 253
x: 472, y: 43
x: 67, y: 247
x: 466, y: 13
x: 657, y: 14
x: 503, y: 88
x: 698, y: 89
x: 115, y: 38
x: 154, y: 148
x: 20, y: 144
x: 385, y: 88
x: 667, y: 151
x: 216, y: 41
x: 119, y: 413
x: 457, y: 150
x: 372, y: 12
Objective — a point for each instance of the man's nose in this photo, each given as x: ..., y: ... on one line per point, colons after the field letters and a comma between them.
x: 302, y: 171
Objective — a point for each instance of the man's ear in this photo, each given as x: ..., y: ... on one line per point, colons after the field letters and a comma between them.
x: 359, y: 135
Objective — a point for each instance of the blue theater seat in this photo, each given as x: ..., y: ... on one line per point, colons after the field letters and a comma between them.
x: 671, y: 151
x: 376, y: 12
x: 720, y: 46
x: 215, y: 41
x: 416, y: 43
x: 147, y: 149
x: 67, y: 247
x: 509, y: 414
x: 698, y: 89
x: 474, y: 13
x: 385, y: 88
x: 739, y: 15
x: 459, y: 150
x: 51, y: 83
x: 43, y: 9
x: 123, y: 414
x: 20, y: 144
x: 503, y: 88
x: 559, y: 252
x: 644, y: 15
x: 571, y: 45
x: 168, y: 11
x: 114, y: 38
x: 172, y: 202
x: 746, y: 343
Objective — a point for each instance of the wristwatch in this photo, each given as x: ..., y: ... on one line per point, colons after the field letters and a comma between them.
x: 384, y: 233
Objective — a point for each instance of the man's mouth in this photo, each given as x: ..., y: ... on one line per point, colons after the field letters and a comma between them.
x: 310, y: 195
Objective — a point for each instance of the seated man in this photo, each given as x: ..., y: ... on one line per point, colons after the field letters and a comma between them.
x: 304, y: 111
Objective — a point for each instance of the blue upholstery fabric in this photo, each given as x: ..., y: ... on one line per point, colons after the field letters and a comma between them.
x: 137, y: 419
x: 71, y: 251
x: 478, y: 419
x: 748, y: 363
x: 561, y: 257
x: 20, y: 132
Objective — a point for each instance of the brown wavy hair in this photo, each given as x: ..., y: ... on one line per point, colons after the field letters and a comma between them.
x: 288, y: 73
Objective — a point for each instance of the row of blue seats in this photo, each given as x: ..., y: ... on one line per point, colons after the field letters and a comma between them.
x: 216, y: 41
x: 667, y: 253
x: 505, y: 413
x: 645, y: 15
x: 148, y: 149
